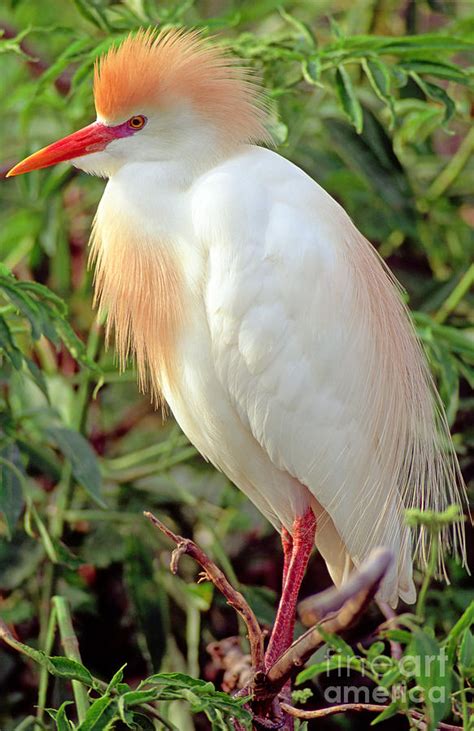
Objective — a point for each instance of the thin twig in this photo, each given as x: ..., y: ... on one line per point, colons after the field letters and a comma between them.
x: 345, y: 707
x: 332, y: 710
x: 212, y: 572
x: 43, y: 677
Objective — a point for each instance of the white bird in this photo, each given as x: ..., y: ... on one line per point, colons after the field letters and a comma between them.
x: 259, y: 313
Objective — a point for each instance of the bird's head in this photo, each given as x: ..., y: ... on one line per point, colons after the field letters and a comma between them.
x: 161, y: 96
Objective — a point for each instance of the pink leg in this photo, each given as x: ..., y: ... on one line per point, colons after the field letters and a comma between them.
x: 287, y: 544
x: 304, y: 529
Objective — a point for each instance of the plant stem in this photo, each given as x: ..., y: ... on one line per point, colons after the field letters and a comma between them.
x: 47, y: 646
x: 29, y: 722
x: 64, y: 490
x: 452, y: 301
x: 193, y: 631
x: 71, y: 650
x: 430, y: 571
x: 453, y: 168
x: 151, y: 468
x: 147, y: 453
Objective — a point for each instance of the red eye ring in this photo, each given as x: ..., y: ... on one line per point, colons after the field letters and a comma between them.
x: 137, y: 122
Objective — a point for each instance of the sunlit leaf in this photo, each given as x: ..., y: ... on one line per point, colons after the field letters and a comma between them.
x: 348, y: 99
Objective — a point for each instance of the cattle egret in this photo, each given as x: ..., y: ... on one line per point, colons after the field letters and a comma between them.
x: 255, y: 308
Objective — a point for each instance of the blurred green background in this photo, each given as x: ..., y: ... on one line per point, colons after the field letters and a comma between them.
x: 373, y: 98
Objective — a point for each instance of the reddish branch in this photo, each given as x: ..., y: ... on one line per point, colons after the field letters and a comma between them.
x: 335, y: 610
x: 212, y: 572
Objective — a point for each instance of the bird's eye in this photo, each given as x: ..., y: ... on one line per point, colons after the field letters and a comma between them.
x: 137, y: 122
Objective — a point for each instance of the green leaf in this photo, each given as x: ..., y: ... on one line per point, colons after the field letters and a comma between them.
x: 371, y: 155
x: 421, y: 43
x: 378, y: 73
x: 83, y: 459
x: 11, y: 493
x: 65, y: 556
x: 391, y: 676
x: 19, y: 560
x: 100, y: 715
x: 143, y: 723
x: 465, y: 621
x: 72, y: 52
x: 59, y: 716
x: 44, y: 293
x: 348, y: 99
x: 437, y: 94
x: 8, y: 345
x: 25, y: 304
x: 148, y: 599
x: 37, y: 376
x: 201, y: 695
x: 116, y: 680
x: 62, y: 721
x: 311, y: 70
x: 64, y: 667
x: 75, y: 345
x: 397, y: 635
x: 93, y: 14
x: 390, y: 711
x: 325, y: 666
x: 442, y: 70
x: 305, y: 34
x: 376, y: 650
x: 137, y: 697
x: 432, y: 673
x: 337, y: 643
x: 466, y: 654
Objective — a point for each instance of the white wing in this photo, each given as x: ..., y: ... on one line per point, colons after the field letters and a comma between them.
x: 317, y: 354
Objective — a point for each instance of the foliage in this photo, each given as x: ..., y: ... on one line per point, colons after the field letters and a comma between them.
x: 374, y: 102
x: 117, y: 700
x: 426, y: 674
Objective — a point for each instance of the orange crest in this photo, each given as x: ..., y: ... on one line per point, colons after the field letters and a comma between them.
x: 150, y: 68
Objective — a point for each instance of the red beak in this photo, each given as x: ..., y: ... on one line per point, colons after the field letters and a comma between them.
x: 94, y: 137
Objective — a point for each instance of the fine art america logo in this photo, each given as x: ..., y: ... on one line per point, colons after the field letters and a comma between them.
x: 407, y: 668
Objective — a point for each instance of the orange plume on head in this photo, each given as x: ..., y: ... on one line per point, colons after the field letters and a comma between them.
x: 151, y: 67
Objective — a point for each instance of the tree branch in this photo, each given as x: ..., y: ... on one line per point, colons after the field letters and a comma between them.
x: 336, y: 609
x: 212, y: 572
x: 367, y: 707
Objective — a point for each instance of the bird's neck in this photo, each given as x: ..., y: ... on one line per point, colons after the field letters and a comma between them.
x: 179, y: 170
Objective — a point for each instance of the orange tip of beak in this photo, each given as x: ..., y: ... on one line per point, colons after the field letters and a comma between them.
x: 93, y: 138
